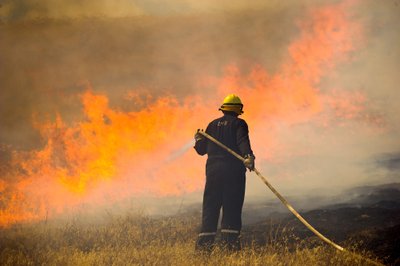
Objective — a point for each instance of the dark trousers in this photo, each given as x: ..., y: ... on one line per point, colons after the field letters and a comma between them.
x: 225, y: 187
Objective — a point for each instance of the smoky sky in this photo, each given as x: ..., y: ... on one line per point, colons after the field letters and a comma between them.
x: 47, y: 61
x: 50, y: 51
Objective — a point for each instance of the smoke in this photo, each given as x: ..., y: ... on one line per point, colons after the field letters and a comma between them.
x: 27, y: 10
x: 390, y: 161
x: 56, y: 59
x: 321, y: 101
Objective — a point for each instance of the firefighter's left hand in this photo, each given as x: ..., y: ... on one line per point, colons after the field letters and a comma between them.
x: 198, y: 136
x: 249, y: 162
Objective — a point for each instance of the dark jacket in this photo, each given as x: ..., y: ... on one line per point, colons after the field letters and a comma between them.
x: 231, y: 131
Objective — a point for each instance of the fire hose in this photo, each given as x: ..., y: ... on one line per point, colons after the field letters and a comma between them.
x: 286, y: 203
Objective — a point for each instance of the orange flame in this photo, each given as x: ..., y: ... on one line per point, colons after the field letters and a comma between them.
x: 113, y: 154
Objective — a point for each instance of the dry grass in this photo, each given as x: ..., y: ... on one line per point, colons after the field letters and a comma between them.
x: 139, y: 240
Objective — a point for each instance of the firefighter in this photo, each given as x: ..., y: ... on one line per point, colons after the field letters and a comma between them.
x: 225, y: 176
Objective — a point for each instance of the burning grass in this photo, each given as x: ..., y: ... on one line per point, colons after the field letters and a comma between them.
x: 136, y: 239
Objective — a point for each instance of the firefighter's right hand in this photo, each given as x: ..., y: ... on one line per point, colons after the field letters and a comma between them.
x: 198, y: 136
x: 249, y: 162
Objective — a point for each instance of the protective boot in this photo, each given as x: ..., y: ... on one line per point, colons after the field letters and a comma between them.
x: 230, y: 240
x: 205, y: 243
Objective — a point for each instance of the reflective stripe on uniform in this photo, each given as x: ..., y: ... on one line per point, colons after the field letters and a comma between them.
x: 208, y: 234
x: 229, y: 231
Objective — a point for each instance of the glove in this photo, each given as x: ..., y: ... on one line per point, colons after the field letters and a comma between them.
x: 198, y: 136
x: 249, y: 162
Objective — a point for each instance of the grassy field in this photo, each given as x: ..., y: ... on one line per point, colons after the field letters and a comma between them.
x: 136, y: 239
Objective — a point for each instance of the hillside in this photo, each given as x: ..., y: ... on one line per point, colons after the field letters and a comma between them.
x: 370, y: 217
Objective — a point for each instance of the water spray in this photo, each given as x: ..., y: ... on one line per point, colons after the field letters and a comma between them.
x: 287, y: 204
x: 179, y: 152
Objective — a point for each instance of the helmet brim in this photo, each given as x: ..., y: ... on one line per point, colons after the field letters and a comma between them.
x: 236, y: 108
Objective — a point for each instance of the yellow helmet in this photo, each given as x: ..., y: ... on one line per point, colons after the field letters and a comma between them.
x: 232, y: 103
